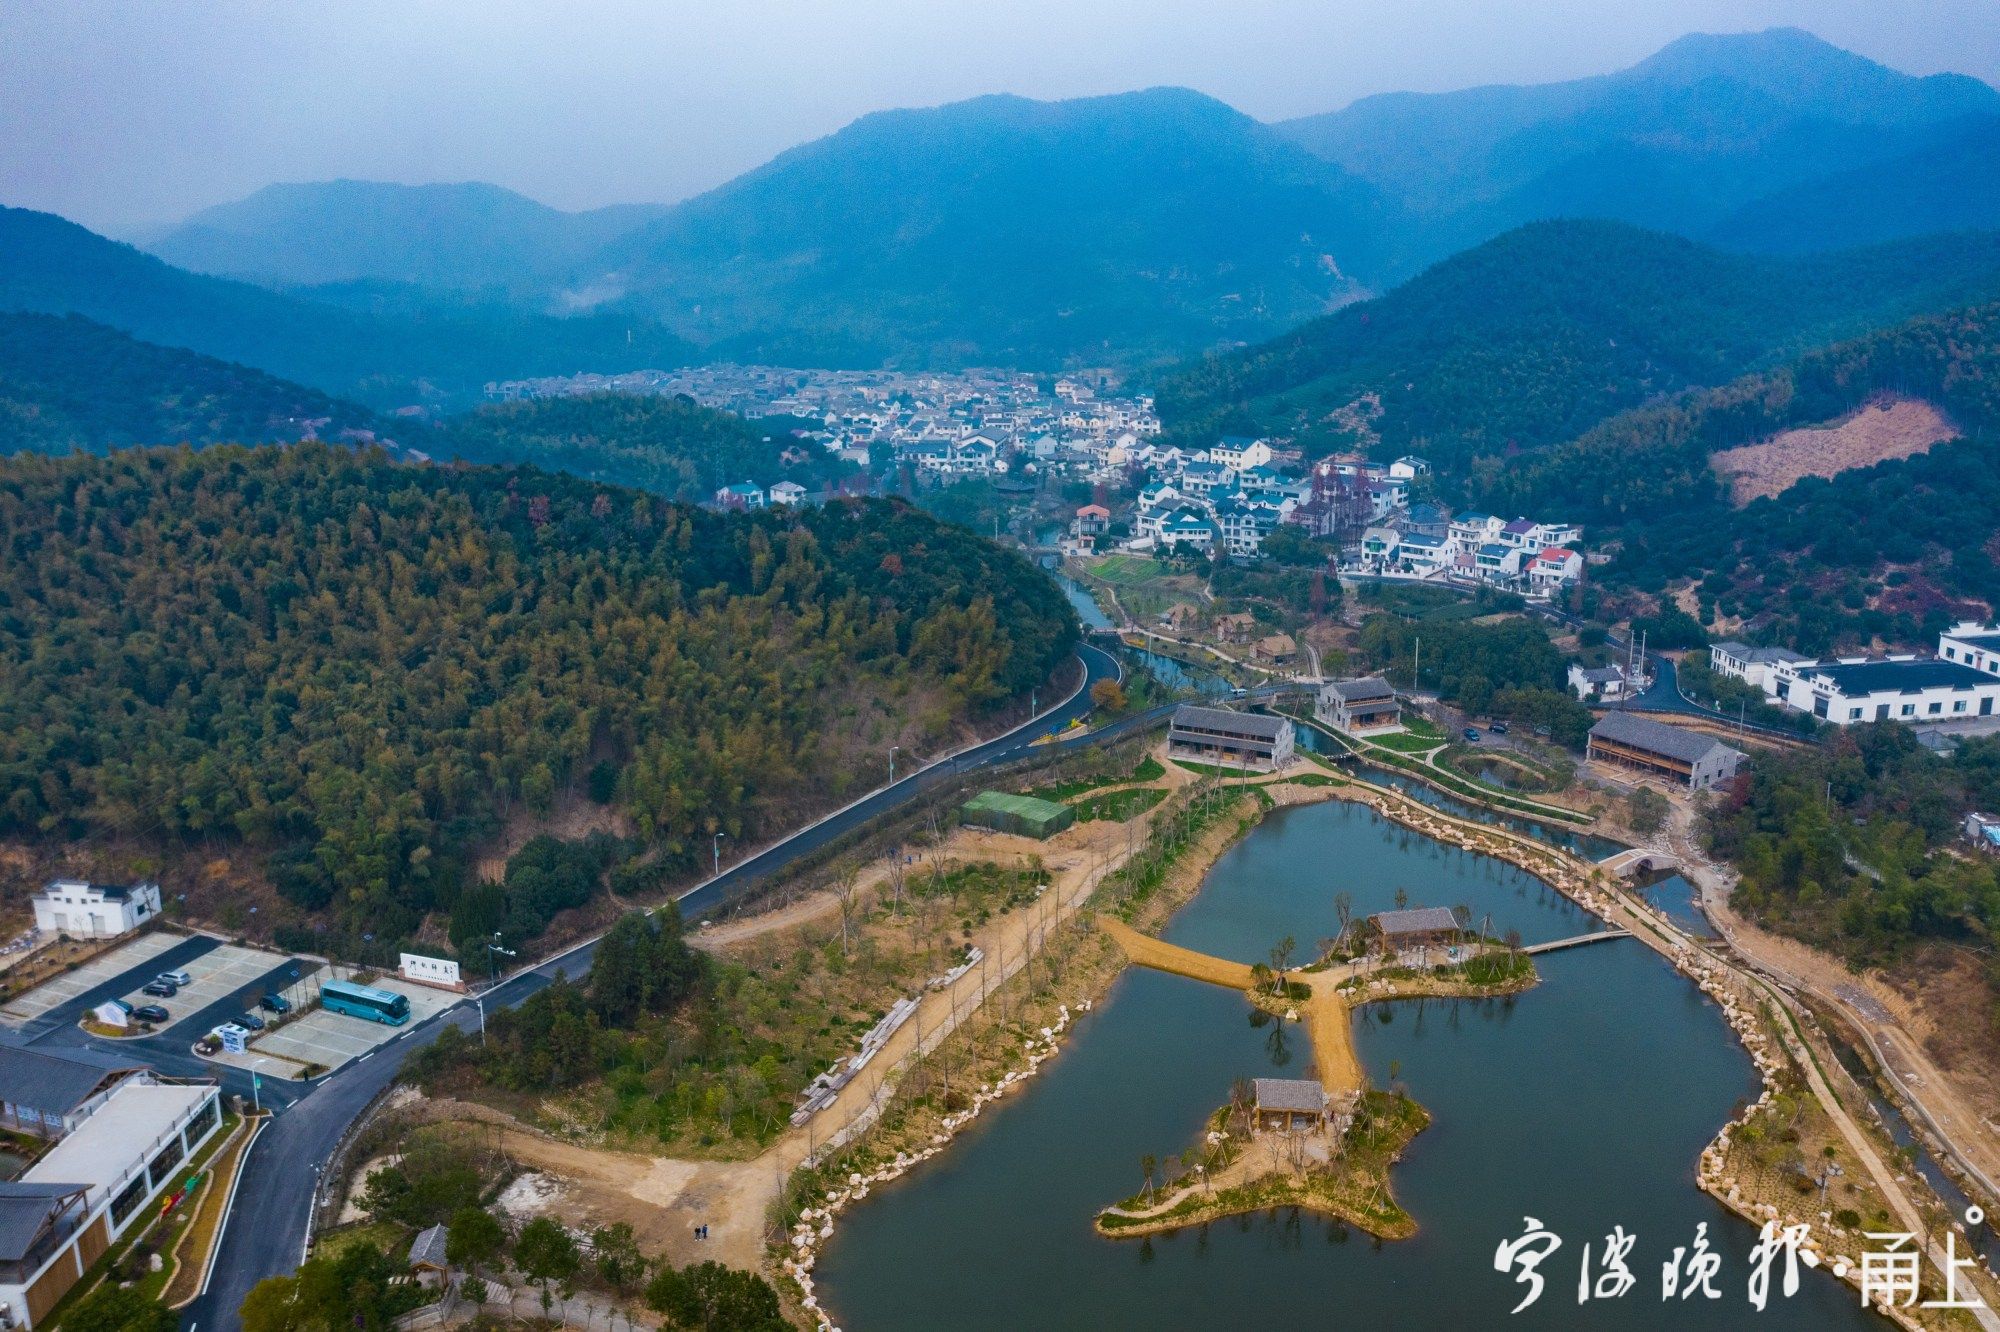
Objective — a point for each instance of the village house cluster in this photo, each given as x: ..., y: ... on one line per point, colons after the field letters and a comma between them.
x: 1525, y: 555
x: 947, y: 424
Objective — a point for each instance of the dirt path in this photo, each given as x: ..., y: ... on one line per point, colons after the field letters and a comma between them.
x: 664, y: 1198
x: 1867, y: 1005
x: 1160, y: 955
x: 1328, y: 1020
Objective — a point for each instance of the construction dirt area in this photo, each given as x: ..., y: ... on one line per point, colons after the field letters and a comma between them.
x: 664, y: 1198
x: 1884, y: 430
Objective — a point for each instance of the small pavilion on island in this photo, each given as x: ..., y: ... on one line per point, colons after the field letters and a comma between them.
x: 1415, y: 927
x: 1287, y: 1103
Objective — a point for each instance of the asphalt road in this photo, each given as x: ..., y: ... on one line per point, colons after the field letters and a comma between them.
x: 266, y: 1230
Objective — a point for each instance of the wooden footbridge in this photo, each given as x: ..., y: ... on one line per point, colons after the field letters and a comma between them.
x: 1576, y: 941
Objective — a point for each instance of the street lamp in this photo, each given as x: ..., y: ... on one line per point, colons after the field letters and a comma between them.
x: 892, y: 763
x: 715, y: 846
x: 256, y: 1088
x: 493, y: 949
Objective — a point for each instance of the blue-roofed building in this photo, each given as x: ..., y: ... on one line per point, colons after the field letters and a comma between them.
x: 1187, y: 528
x: 742, y: 495
x: 1983, y: 831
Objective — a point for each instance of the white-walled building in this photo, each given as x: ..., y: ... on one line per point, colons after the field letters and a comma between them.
x: 1906, y: 689
x: 1973, y: 644
x: 70, y: 1207
x: 1239, y: 454
x: 1751, y: 665
x: 95, y: 910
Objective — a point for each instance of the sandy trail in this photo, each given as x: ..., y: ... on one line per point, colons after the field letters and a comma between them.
x: 665, y: 1198
x: 1329, y: 1021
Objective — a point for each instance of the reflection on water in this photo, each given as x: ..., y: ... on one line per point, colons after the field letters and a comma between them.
x: 1547, y: 1105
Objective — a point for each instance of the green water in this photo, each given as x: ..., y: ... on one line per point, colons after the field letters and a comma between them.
x: 1584, y: 1102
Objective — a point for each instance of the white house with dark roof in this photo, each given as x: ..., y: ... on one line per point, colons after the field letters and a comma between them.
x: 1370, y: 704
x: 95, y: 910
x: 1751, y: 665
x: 1910, y: 689
x: 1187, y: 528
x: 1239, y: 454
x: 1970, y: 643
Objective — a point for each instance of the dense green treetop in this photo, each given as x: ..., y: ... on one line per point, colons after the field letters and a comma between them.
x: 666, y: 444
x: 357, y: 667
x: 1534, y: 337
x: 67, y: 383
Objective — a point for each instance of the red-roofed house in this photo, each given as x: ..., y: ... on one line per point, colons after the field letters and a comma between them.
x: 1091, y: 520
x: 1554, y: 567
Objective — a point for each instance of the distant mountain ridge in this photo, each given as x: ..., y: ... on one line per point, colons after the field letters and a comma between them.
x: 1007, y: 230
x: 1149, y: 226
x: 52, y: 266
x: 1680, y: 140
x: 463, y: 235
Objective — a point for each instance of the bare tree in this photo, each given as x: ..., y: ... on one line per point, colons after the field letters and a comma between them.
x: 897, y: 873
x: 1343, y: 906
x: 847, y: 892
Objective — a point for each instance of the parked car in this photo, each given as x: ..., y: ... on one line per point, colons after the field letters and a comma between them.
x: 275, y: 1003
x: 250, y: 1021
x: 1472, y: 734
x: 1498, y: 728
x: 160, y: 989
x: 151, y: 1013
x: 175, y: 978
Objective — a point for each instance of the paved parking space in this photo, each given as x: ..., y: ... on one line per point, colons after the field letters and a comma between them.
x: 101, y: 970
x: 218, y: 975
x: 332, y: 1039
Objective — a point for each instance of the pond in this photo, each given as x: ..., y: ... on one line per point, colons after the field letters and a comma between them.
x: 1548, y: 1105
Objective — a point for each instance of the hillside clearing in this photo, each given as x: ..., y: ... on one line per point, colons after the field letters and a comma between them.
x: 1882, y: 431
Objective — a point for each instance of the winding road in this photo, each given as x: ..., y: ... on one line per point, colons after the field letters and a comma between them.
x: 267, y: 1231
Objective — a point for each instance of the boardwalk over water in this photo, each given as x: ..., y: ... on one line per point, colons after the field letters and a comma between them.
x: 1576, y: 941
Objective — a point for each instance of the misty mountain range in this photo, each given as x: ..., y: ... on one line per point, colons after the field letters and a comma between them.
x: 1133, y: 229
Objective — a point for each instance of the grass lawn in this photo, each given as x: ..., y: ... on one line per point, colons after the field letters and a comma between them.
x: 387, y: 1235
x: 1406, y: 744
x: 1119, y: 806
x: 1128, y: 570
x: 1149, y: 770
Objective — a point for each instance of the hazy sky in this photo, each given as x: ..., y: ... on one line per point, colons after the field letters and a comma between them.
x: 123, y: 113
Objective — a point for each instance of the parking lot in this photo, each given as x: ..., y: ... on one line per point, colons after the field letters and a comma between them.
x: 332, y: 1039
x: 103, y: 968
x: 227, y: 973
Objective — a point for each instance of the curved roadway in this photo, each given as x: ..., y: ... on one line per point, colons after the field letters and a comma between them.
x: 266, y: 1231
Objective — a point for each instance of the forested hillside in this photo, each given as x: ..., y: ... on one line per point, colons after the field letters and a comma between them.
x: 1536, y: 336
x: 668, y: 445
x: 1889, y: 550
x: 67, y: 383
x: 1007, y: 231
x: 1949, y: 182
x: 51, y: 266
x: 356, y: 670
x: 1841, y: 845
